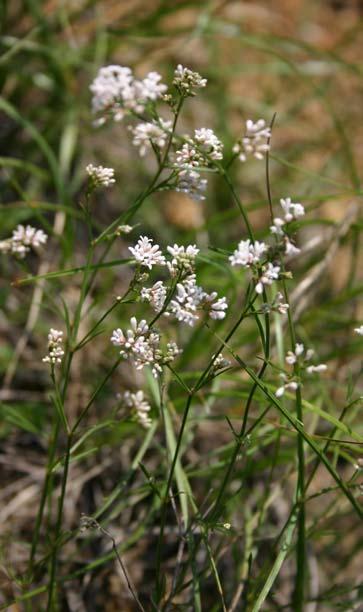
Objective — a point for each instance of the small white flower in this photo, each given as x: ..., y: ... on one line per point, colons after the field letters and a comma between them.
x: 147, y: 134
x: 187, y: 81
x: 141, y: 345
x: 55, y: 349
x: 220, y: 362
x: 124, y: 229
x: 155, y: 295
x: 255, y: 140
x: 113, y: 91
x: 247, y: 253
x: 139, y: 406
x: 321, y: 367
x: 150, y: 88
x: 270, y: 273
x: 182, y: 258
x: 147, y: 254
x: 216, y: 308
x: 277, y: 226
x: 290, y: 386
x: 359, y: 330
x: 188, y: 157
x: 299, y: 349
x: 116, y: 92
x: 290, y: 358
x: 191, y: 183
x: 292, y: 210
x: 309, y: 354
x: 209, y: 143
x: 187, y: 299
x: 22, y: 240
x: 190, y: 298
x: 100, y: 176
x: 290, y: 248
x: 280, y: 391
x: 279, y: 305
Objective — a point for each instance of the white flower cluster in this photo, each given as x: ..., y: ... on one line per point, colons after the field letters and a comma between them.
x: 55, y: 347
x: 209, y: 143
x: 280, y: 227
x: 196, y: 153
x: 189, y: 299
x: 155, y: 295
x: 189, y: 180
x: 100, y: 176
x: 251, y: 255
x: 147, y: 254
x: 123, y: 229
x: 148, y: 134
x: 279, y: 305
x: 191, y: 183
x: 254, y: 142
x: 116, y: 91
x: 219, y: 363
x: 186, y: 81
x: 22, y: 240
x: 248, y: 253
x: 141, y: 345
x: 301, y: 356
x: 182, y: 258
x: 189, y: 157
x: 359, y: 330
x: 139, y: 406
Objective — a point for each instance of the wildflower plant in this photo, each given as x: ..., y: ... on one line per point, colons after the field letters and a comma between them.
x: 173, y: 299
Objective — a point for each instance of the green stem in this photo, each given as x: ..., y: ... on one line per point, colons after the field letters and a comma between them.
x: 44, y: 494
x: 58, y: 527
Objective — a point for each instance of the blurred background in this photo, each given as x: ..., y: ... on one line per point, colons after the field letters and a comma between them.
x: 298, y: 59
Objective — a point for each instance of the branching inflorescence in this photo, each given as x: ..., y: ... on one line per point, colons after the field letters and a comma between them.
x: 165, y: 279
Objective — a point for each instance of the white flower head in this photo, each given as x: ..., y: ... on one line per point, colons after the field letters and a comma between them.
x: 147, y: 254
x: 190, y: 300
x: 215, y: 306
x: 359, y: 330
x: 141, y: 345
x: 248, y: 253
x: 23, y: 239
x: 55, y: 348
x: 279, y: 305
x: 270, y: 273
x: 139, y: 407
x: 290, y: 248
x: 188, y: 157
x: 191, y: 183
x: 220, y: 362
x: 321, y: 367
x: 116, y: 92
x: 255, y: 140
x: 100, y: 176
x: 292, y: 210
x: 147, y: 134
x: 209, y: 143
x: 186, y: 81
x: 277, y: 226
x: 289, y: 386
x: 155, y: 295
x: 113, y: 90
x: 183, y: 258
x: 124, y: 229
x: 150, y: 88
